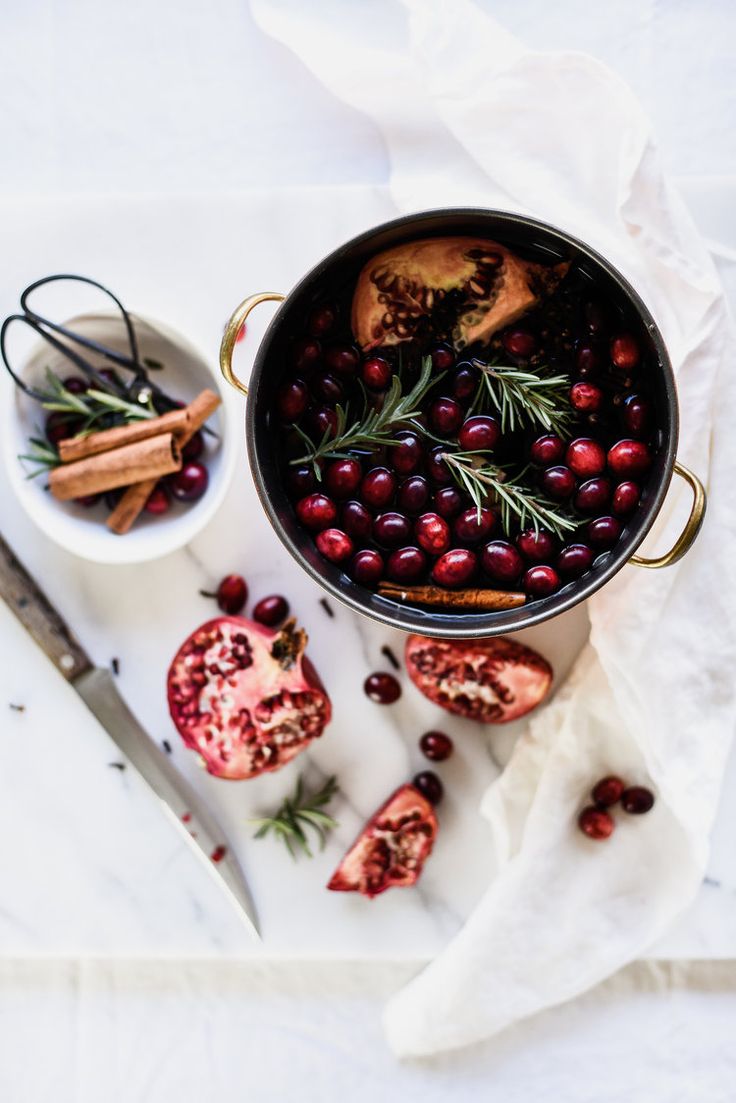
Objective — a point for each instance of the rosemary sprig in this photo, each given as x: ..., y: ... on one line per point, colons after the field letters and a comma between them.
x: 300, y: 811
x: 482, y: 480
x: 522, y: 396
x: 376, y: 426
x: 41, y: 453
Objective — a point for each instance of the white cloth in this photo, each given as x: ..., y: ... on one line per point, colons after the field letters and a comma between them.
x: 471, y: 117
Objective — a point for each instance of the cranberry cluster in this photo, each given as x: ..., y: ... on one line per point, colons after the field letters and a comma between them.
x: 596, y: 820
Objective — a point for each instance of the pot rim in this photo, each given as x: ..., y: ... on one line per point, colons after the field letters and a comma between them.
x: 407, y: 618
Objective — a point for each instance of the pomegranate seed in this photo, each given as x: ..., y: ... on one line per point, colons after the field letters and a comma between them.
x: 455, y: 567
x: 586, y: 397
x: 407, y: 456
x: 547, y: 450
x: 194, y: 447
x: 541, y: 581
x: 413, y: 494
x: 479, y: 433
x: 378, y: 487
x: 367, y: 567
x: 382, y: 688
x: 342, y: 477
x: 448, y: 501
x: 306, y: 354
x: 158, y: 501
x: 432, y: 533
x: 322, y: 320
x: 271, y: 610
x: 406, y: 564
x: 559, y: 482
x: 596, y: 823
x: 575, y: 560
x: 376, y: 373
x: 291, y: 399
x: 391, y: 529
x: 625, y: 352
x: 636, y: 414
x: 519, y: 343
x: 593, y: 495
x: 429, y: 785
x: 603, y: 532
x: 232, y: 594
x: 502, y: 561
x: 636, y: 800
x: 585, y: 457
x: 445, y: 416
x: 335, y: 545
x: 625, y: 498
x: 357, y: 520
x: 608, y: 791
x: 471, y: 528
x: 218, y: 854
x: 442, y: 358
x: 190, y: 483
x: 537, y: 546
x: 464, y: 382
x: 436, y: 746
x: 316, y: 511
x: 629, y: 457
x: 343, y: 359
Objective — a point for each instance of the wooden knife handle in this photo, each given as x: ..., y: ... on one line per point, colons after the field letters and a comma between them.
x: 37, y: 614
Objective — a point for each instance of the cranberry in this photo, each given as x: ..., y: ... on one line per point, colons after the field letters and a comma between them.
x: 636, y: 800
x: 437, y: 469
x: 413, y: 494
x: 473, y: 525
x: 442, y: 358
x: 559, y: 482
x: 455, y: 567
x: 323, y: 420
x: 305, y: 354
x: 378, y: 487
x: 367, y: 567
x: 271, y: 610
x: 322, y: 320
x: 357, y: 520
x: 595, y: 318
x: 445, y: 416
x: 291, y: 399
x: 547, y: 450
x: 391, y: 529
x: 60, y: 426
x: 625, y: 352
x: 479, y: 433
x: 436, y: 746
x: 429, y: 785
x: 541, y: 581
x: 301, y: 480
x: 432, y: 533
x: 607, y: 791
x: 382, y: 688
x: 587, y: 361
x: 232, y: 594
x: 625, y: 498
x: 574, y: 560
x: 636, y: 414
x: 75, y: 384
x: 189, y: 483
x: 593, y: 495
x: 585, y: 457
x: 502, y: 561
x: 596, y: 823
x: 537, y: 545
x: 376, y: 373
x: 316, y: 511
x: 328, y: 387
x: 335, y: 545
x: 603, y: 532
x: 406, y: 564
x: 587, y: 398
x: 629, y: 457
x: 343, y: 359
x: 448, y: 501
x: 464, y: 381
x: 158, y: 501
x: 342, y: 477
x: 89, y: 500
x: 406, y: 457
x: 519, y: 343
x: 194, y: 447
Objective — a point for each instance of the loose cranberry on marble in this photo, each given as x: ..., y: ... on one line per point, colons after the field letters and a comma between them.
x: 474, y: 525
x: 429, y: 785
x: 382, y: 688
x: 306, y: 354
x: 271, y: 610
x: 464, y: 381
x: 357, y: 520
x: 322, y: 320
x: 436, y: 746
x: 593, y: 495
x: 625, y: 498
x: 547, y: 450
x: 608, y: 791
x: 586, y: 398
x: 328, y: 387
x: 558, y: 482
x: 445, y: 416
x: 537, y: 546
x: 629, y: 457
x: 376, y: 373
x: 442, y: 358
x: 586, y: 457
x: 541, y: 581
x: 301, y: 480
x: 437, y: 469
x: 636, y: 414
x: 190, y: 482
x: 448, y: 501
x: 603, y: 532
x: 625, y: 352
x: 574, y: 560
x: 316, y: 511
x: 406, y: 564
x: 636, y: 800
x: 596, y: 823
x: 501, y: 561
x: 407, y: 456
x: 367, y: 567
x: 587, y: 361
x: 479, y: 433
x: 413, y: 494
x: 378, y: 487
x: 158, y: 501
x: 432, y: 533
x: 232, y: 594
x: 335, y: 545
x: 343, y: 359
x: 455, y: 568
x: 519, y: 343
x: 291, y: 399
x: 342, y: 477
x: 322, y: 419
x: 391, y: 529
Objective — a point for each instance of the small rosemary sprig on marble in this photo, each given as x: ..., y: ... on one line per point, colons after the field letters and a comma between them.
x: 376, y: 426
x: 300, y: 811
x: 522, y: 396
x: 481, y: 479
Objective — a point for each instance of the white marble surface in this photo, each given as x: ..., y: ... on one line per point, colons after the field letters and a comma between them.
x: 94, y: 869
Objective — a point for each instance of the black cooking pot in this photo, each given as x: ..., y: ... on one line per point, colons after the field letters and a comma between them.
x: 534, y: 240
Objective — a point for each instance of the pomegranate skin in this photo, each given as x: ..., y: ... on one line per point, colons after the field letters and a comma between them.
x: 492, y: 680
x: 245, y: 696
x: 392, y: 848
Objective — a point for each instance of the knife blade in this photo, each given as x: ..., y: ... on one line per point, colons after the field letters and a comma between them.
x: 184, y: 807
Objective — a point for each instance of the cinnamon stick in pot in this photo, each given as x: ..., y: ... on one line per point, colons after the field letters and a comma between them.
x: 91, y: 444
x: 144, y: 459
x: 479, y: 601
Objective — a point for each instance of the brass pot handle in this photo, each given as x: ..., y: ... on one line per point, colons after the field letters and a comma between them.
x: 692, y: 526
x: 233, y: 328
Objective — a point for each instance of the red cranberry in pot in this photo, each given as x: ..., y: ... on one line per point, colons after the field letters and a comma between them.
x: 437, y: 469
x: 271, y: 610
x: 406, y: 457
x: 334, y: 544
x: 479, y: 433
x: 455, y: 568
x: 448, y: 501
x: 357, y: 520
x: 474, y: 525
x: 596, y: 823
x: 382, y: 688
x: 406, y: 564
x: 429, y: 785
x: 322, y: 419
x: 464, y: 382
x: 189, y: 483
x: 625, y: 498
x: 596, y: 318
x: 376, y: 373
x: 625, y: 352
x: 342, y: 359
x: 603, y: 532
x: 291, y: 399
x: 593, y: 495
x: 558, y: 482
x: 306, y: 354
x: 378, y: 487
x: 432, y: 533
x: 637, y: 800
x: 586, y: 398
x: 536, y: 545
x: 194, y: 447
x: 316, y: 511
x: 587, y: 361
x: 328, y: 388
x: 367, y: 567
x: 232, y: 594
x: 75, y: 384
x: 608, y: 791
x: 636, y: 414
x: 629, y: 457
x: 501, y: 561
x: 547, y: 450
x: 436, y: 746
x: 157, y: 504
x: 342, y: 477
x: 413, y: 494
x: 519, y: 343
x: 301, y: 480
x: 391, y: 529
x: 574, y: 560
x: 442, y: 358
x: 445, y: 416
x: 585, y: 457
x: 322, y: 320
x: 541, y: 581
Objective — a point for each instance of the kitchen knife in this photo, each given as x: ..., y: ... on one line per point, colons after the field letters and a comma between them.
x: 197, y: 826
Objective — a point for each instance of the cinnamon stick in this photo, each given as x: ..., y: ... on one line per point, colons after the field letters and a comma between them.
x: 145, y: 459
x: 132, y: 502
x: 78, y: 448
x: 481, y: 601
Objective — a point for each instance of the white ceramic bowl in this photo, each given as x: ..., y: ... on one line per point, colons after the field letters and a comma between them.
x: 83, y: 531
